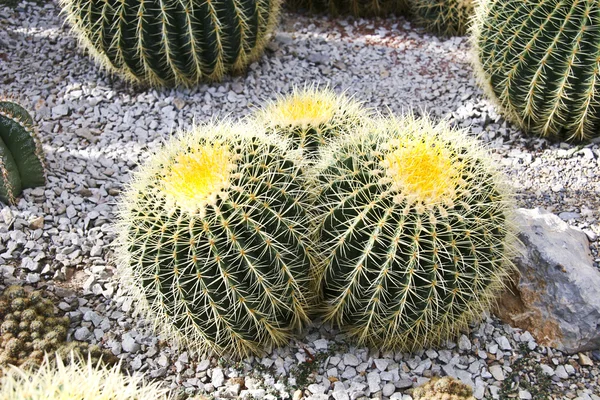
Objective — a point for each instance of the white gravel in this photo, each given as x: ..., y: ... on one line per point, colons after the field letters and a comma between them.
x: 96, y: 129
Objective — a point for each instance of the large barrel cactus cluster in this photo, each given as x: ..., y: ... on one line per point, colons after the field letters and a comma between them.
x: 539, y: 62
x: 176, y: 42
x: 397, y: 230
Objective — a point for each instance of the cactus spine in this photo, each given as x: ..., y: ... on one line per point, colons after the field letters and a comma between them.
x: 213, y: 235
x: 312, y: 117
x: 177, y: 42
x: 444, y: 17
x: 413, y: 233
x: 21, y: 155
x: 539, y: 61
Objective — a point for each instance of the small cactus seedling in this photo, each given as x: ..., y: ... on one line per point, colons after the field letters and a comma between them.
x: 174, y: 42
x: 444, y: 17
x: 538, y: 61
x: 413, y: 233
x: 29, y: 327
x: 21, y: 156
x: 312, y: 117
x: 213, y: 236
x: 446, y: 388
x: 75, y: 379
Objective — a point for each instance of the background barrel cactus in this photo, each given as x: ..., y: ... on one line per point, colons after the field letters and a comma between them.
x: 214, y: 243
x: 178, y: 42
x: 21, y: 155
x: 539, y: 62
x: 444, y: 17
x: 74, y: 378
x: 413, y: 231
x: 312, y: 117
x: 358, y: 8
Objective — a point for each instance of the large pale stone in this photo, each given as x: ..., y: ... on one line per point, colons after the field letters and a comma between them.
x: 557, y: 296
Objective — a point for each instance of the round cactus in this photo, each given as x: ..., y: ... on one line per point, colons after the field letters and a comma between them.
x: 213, y: 237
x: 539, y: 62
x: 413, y: 230
x: 444, y: 17
x: 76, y: 379
x: 312, y: 117
x: 446, y: 388
x: 21, y: 155
x: 179, y: 42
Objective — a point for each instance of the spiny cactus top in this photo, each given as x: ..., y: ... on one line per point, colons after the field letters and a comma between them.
x: 176, y: 42
x: 413, y: 233
x: 539, y: 61
x: 446, y: 388
x: 444, y: 17
x: 213, y: 235
x: 312, y: 117
x: 76, y: 378
x: 21, y: 155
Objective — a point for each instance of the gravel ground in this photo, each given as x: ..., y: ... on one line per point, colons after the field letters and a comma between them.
x: 96, y: 129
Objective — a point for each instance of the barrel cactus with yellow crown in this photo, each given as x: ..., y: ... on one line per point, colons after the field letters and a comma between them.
x: 414, y: 233
x: 175, y: 42
x: 538, y: 60
x: 213, y: 239
x: 312, y: 117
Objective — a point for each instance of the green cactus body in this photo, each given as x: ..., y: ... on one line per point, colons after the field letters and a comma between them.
x: 446, y: 388
x: 21, y: 156
x: 444, y: 17
x: 539, y: 61
x: 358, y: 8
x: 413, y: 233
x: 312, y: 117
x: 214, y: 242
x: 173, y: 42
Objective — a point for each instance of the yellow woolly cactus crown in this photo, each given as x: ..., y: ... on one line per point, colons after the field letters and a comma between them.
x: 310, y: 106
x: 422, y: 169
x: 198, y: 176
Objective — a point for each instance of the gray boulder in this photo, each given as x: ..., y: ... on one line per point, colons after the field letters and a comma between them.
x: 557, y: 295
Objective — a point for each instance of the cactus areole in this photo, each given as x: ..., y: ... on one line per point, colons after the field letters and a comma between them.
x: 413, y: 233
x: 173, y: 42
x: 213, y: 241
